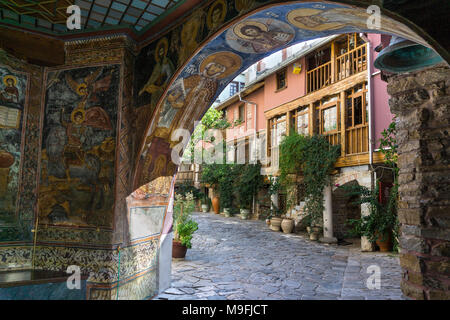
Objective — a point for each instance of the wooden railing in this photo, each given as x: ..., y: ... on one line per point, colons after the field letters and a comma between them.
x: 344, y: 66
x: 357, y: 140
x: 350, y: 63
x: 334, y: 138
x: 319, y: 77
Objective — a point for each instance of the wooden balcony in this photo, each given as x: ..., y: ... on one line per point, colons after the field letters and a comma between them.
x: 339, y: 68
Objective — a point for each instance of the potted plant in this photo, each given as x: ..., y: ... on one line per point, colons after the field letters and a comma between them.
x: 211, y: 174
x: 184, y: 225
x: 379, y: 225
x: 205, y: 203
x: 248, y: 184
x: 226, y: 188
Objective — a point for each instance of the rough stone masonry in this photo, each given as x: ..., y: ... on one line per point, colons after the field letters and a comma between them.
x: 421, y: 102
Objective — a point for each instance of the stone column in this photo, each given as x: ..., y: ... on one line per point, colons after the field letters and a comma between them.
x: 421, y: 102
x: 328, y: 216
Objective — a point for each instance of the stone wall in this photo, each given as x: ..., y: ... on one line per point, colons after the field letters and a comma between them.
x: 421, y: 102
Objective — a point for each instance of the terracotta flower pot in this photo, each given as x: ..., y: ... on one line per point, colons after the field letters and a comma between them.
x: 386, y: 245
x: 216, y: 205
x: 287, y: 225
x: 275, y: 224
x: 178, y: 250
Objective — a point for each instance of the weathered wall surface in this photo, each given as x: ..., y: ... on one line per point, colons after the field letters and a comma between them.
x: 421, y: 101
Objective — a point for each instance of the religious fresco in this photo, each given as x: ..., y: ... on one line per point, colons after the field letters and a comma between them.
x: 259, y: 35
x: 78, y: 147
x: 13, y: 90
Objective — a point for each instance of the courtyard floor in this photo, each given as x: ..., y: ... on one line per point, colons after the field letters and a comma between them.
x: 232, y: 259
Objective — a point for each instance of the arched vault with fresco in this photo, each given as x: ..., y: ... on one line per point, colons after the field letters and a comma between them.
x: 208, y: 60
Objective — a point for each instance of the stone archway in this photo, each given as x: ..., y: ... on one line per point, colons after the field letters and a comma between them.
x: 198, y: 79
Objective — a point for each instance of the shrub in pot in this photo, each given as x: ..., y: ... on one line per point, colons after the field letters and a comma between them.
x: 226, y: 187
x: 247, y: 185
x: 184, y: 225
x: 379, y: 225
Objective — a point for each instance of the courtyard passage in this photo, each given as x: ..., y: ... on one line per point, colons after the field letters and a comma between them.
x: 235, y: 259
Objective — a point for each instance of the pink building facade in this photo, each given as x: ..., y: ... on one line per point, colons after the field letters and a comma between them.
x: 330, y: 89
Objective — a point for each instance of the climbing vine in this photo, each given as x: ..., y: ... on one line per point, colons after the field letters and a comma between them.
x: 313, y: 158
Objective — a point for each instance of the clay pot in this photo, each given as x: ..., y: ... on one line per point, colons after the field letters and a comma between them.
x: 287, y: 225
x: 314, y: 236
x: 386, y: 245
x: 178, y: 250
x: 245, y: 214
x: 268, y: 222
x: 275, y: 224
x: 227, y: 212
x: 216, y: 205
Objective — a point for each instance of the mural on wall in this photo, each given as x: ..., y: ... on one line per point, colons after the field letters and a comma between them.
x: 78, y: 147
x: 259, y: 35
x: 242, y: 44
x: 13, y: 87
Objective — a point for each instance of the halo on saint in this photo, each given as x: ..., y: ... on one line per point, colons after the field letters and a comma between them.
x: 80, y: 87
x: 6, y: 78
x: 238, y: 28
x: 231, y: 61
x: 164, y: 43
x: 75, y: 113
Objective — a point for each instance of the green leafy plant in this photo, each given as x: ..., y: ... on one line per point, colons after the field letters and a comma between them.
x: 313, y: 158
x: 248, y: 183
x: 382, y: 219
x: 184, y: 225
x: 226, y: 180
x: 185, y: 188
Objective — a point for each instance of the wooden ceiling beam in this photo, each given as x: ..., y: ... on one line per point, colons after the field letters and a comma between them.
x: 33, y: 48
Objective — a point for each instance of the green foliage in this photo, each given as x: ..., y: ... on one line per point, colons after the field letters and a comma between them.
x: 389, y: 146
x: 213, y: 119
x: 227, y: 174
x: 211, y: 174
x: 382, y: 218
x: 274, y: 188
x: 248, y: 183
x: 186, y: 188
x: 185, y: 232
x: 314, y: 158
x: 184, y: 225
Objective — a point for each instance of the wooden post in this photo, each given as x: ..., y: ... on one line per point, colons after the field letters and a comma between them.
x: 312, y: 122
x: 343, y: 127
x: 333, y: 61
x: 288, y: 123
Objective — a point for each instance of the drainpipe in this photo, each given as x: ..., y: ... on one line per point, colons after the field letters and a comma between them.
x: 254, y: 140
x: 370, y: 93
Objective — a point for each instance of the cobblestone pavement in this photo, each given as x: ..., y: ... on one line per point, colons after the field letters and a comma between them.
x: 232, y: 259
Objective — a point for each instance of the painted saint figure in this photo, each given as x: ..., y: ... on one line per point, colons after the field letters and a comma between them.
x: 161, y: 73
x: 216, y: 15
x: 10, y: 93
x: 73, y: 150
x: 201, y: 88
x: 259, y: 35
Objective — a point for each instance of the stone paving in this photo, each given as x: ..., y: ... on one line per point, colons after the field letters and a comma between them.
x: 232, y: 259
